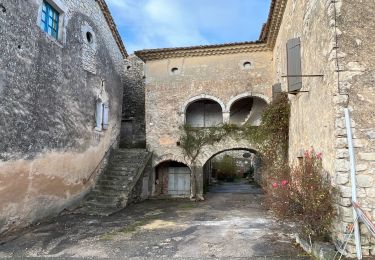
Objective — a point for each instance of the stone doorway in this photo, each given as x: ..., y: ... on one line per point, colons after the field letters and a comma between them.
x: 172, y: 179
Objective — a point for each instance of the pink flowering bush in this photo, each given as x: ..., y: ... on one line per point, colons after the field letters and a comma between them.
x: 304, y: 194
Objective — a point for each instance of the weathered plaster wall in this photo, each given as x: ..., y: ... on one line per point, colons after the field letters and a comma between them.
x: 312, y: 113
x: 50, y: 153
x: 133, y: 112
x: 335, y: 42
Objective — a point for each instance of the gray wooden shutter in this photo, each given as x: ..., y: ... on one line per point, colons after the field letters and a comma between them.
x: 276, y: 89
x: 293, y: 48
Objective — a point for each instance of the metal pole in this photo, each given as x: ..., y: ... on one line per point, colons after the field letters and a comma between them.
x: 357, y: 235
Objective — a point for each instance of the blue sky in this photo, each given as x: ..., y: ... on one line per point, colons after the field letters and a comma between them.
x: 149, y: 24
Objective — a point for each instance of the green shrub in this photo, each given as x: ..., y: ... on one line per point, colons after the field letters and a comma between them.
x: 226, y: 167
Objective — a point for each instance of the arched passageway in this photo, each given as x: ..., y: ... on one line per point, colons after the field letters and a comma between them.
x: 172, y: 179
x: 247, y: 110
x: 231, y: 165
x: 204, y: 113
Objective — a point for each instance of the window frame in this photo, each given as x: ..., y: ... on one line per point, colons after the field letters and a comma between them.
x: 61, y: 10
x: 50, y: 24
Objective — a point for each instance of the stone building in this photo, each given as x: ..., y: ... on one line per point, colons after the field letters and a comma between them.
x: 202, y: 86
x: 320, y: 51
x: 62, y: 67
x: 133, y: 111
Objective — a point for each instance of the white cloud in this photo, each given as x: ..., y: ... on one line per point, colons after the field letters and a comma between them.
x: 146, y: 24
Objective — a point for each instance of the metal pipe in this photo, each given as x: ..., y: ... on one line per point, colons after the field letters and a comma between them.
x: 357, y: 235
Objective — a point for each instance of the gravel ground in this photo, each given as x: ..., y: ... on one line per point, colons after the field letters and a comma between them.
x: 230, y: 224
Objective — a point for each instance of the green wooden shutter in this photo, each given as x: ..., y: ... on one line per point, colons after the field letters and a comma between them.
x: 293, y: 48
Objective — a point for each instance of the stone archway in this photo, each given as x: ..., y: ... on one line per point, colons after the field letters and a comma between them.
x: 172, y: 179
x: 247, y: 108
x: 244, y: 95
x: 201, y: 96
x: 246, y: 163
x: 214, y: 106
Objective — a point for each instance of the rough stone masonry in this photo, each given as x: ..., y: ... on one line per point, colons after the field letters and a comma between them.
x: 50, y: 152
x: 334, y: 42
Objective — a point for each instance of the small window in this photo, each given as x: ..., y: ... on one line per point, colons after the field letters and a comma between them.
x: 174, y: 71
x: 3, y: 9
x: 50, y: 20
x: 89, y: 37
x: 247, y: 65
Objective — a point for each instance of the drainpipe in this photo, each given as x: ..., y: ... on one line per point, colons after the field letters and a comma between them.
x: 357, y: 235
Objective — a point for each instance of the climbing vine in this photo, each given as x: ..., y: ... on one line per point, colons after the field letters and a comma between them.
x: 302, y: 193
x: 271, y: 136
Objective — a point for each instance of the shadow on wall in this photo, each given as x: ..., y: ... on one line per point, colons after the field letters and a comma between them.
x: 247, y: 110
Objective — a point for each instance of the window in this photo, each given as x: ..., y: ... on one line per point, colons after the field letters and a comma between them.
x: 102, y: 115
x: 50, y: 20
x: 247, y: 65
x: 174, y: 71
x: 89, y: 37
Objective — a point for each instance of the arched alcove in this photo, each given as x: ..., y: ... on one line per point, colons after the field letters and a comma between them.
x: 247, y: 110
x: 204, y: 113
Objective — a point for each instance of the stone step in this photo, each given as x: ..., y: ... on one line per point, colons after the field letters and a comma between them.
x: 113, y: 172
x: 120, y: 177
x: 129, y: 154
x: 119, y: 188
x: 131, y: 151
x: 107, y: 200
x: 101, y: 192
x: 115, y: 185
x: 127, y: 161
x: 107, y: 181
x: 105, y: 185
x: 101, y: 205
x: 116, y: 178
x: 123, y: 167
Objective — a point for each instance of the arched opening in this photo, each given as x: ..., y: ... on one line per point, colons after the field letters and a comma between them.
x: 247, y: 110
x: 240, y: 165
x: 204, y: 113
x: 172, y: 179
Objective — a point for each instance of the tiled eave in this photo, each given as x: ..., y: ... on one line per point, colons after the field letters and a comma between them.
x: 157, y: 54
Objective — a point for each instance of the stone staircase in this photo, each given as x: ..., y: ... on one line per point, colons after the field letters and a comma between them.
x: 119, y: 185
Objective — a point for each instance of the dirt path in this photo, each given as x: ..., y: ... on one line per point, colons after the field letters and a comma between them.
x: 229, y: 224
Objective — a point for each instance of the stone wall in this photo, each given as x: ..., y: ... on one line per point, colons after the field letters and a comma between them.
x: 133, y: 111
x: 335, y: 42
x: 357, y: 92
x: 50, y: 153
x: 221, y: 78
